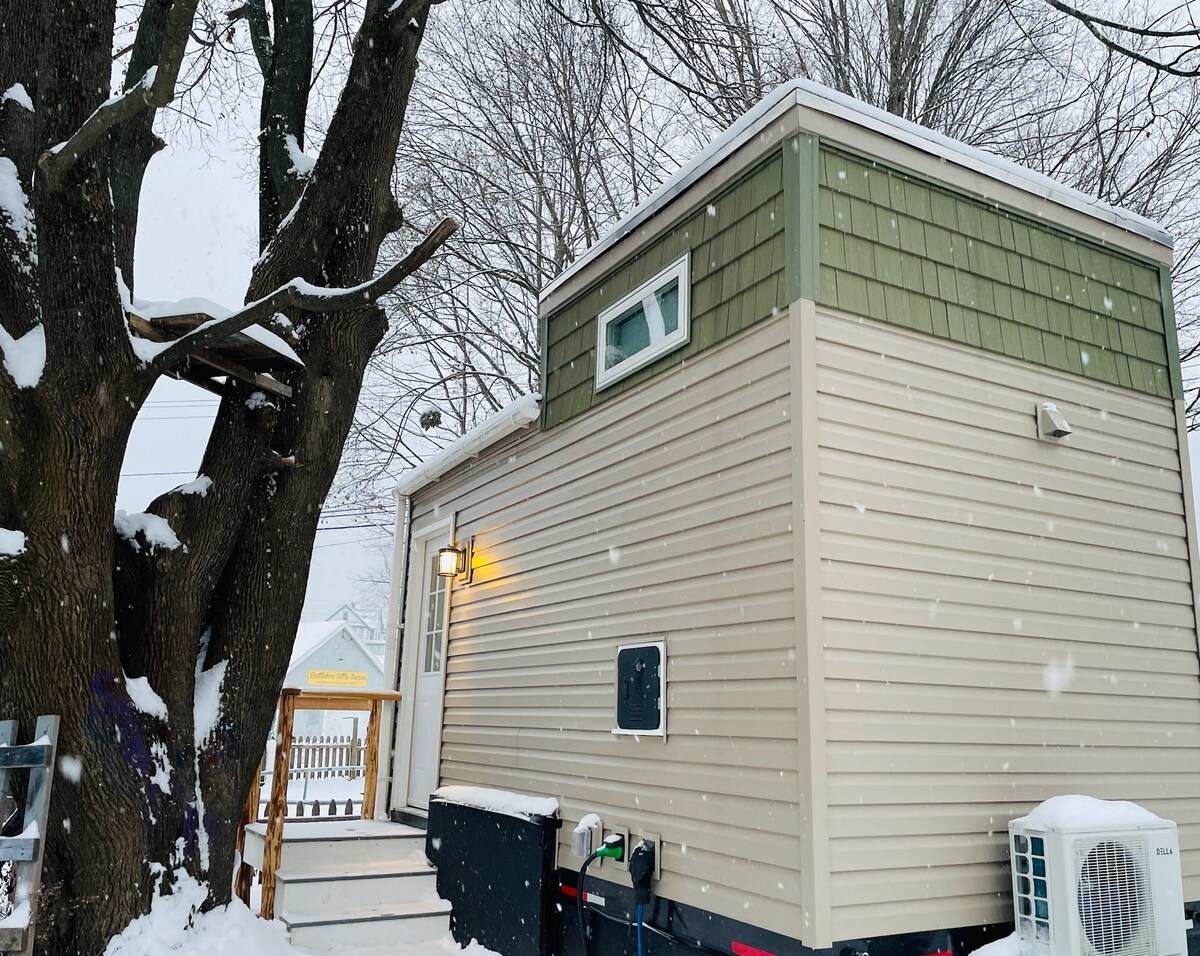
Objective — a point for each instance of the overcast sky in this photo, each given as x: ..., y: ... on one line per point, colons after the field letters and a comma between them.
x: 196, y: 237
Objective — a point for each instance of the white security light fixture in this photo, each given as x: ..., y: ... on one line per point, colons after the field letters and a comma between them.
x: 1052, y: 425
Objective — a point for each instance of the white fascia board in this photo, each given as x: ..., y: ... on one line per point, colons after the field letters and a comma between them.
x: 512, y: 417
x: 814, y: 96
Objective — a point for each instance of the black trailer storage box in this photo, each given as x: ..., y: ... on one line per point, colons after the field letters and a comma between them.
x: 497, y: 871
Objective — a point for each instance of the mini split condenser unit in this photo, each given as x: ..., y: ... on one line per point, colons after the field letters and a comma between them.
x: 1092, y: 878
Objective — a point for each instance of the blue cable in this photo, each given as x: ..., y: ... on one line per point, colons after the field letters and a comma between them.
x: 639, y: 929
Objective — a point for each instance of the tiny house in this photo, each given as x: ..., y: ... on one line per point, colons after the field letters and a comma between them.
x: 853, y: 520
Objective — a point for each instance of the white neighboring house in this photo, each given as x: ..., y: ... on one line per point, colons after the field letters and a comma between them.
x: 330, y: 655
x: 372, y: 634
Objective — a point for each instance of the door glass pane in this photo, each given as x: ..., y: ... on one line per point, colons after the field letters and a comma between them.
x: 435, y: 620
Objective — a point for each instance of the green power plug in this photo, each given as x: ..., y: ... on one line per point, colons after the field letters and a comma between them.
x: 614, y: 847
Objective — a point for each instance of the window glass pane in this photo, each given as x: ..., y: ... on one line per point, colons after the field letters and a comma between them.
x: 643, y: 325
x: 435, y: 618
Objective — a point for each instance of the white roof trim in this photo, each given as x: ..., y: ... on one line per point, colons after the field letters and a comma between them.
x: 512, y: 417
x: 825, y: 100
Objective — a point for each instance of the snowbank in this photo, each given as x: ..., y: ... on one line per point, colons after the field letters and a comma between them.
x: 499, y: 801
x: 1075, y: 812
x: 1009, y: 946
x: 175, y: 926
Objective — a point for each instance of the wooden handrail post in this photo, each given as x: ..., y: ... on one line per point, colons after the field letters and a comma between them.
x: 277, y: 808
x: 371, y: 775
x: 245, y: 873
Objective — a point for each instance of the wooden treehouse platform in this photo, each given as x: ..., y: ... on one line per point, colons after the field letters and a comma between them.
x: 254, y: 355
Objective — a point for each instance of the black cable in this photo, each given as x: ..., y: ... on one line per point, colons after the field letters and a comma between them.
x: 579, y: 894
x: 629, y: 924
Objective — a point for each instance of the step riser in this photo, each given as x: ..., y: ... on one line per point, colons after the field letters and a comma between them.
x: 320, y: 855
x: 328, y: 896
x: 333, y: 853
x: 341, y: 937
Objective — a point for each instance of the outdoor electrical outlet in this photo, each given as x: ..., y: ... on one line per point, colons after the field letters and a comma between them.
x: 596, y: 838
x: 623, y: 863
x: 656, y: 840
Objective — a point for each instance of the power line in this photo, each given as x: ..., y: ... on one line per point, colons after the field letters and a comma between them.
x: 154, y: 474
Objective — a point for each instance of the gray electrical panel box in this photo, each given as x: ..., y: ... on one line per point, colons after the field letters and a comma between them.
x: 641, y: 682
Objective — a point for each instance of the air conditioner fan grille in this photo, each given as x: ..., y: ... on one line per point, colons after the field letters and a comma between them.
x: 1114, y: 897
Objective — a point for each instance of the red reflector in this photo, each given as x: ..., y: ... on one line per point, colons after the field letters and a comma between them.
x: 944, y: 952
x: 569, y: 891
x: 741, y: 949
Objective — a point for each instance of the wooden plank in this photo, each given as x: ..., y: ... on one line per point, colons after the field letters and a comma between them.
x: 222, y: 363
x: 26, y: 755
x: 371, y: 778
x: 327, y: 702
x: 245, y: 873
x: 19, y: 849
x: 277, y: 807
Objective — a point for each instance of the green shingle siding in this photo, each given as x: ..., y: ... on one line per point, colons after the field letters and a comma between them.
x: 901, y: 250
x: 738, y: 253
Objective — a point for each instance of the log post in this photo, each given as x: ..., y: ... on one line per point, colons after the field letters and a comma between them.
x: 245, y: 873
x: 372, y: 759
x: 277, y: 807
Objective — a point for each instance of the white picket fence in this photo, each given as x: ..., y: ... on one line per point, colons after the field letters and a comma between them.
x: 322, y: 771
x: 315, y: 758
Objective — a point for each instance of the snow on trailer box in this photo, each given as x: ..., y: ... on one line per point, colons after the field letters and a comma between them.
x: 794, y: 429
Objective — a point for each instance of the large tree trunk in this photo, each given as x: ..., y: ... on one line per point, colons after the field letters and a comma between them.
x: 83, y: 610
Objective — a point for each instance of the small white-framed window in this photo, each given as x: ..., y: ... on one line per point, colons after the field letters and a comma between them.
x: 649, y: 322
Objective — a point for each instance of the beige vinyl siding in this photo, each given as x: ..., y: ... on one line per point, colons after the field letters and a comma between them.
x: 664, y: 513
x: 960, y: 559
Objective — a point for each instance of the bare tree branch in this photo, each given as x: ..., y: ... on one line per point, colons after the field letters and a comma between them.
x: 1096, y: 26
x: 299, y: 294
x: 254, y: 12
x: 156, y: 89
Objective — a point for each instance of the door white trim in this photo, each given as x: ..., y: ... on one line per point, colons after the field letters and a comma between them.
x: 414, y: 597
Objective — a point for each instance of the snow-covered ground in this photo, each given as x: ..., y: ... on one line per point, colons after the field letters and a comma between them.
x: 175, y: 927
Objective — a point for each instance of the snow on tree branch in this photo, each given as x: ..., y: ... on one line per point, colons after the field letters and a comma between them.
x: 155, y: 89
x: 299, y: 294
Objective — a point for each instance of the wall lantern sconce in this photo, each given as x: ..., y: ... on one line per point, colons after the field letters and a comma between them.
x: 455, y: 562
x: 451, y: 562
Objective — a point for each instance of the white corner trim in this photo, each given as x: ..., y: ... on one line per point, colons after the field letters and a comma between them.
x: 512, y: 417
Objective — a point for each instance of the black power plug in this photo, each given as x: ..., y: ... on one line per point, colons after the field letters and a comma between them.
x: 641, y: 871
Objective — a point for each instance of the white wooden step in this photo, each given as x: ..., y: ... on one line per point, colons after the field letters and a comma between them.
x: 329, y: 845
x: 370, y: 927
x: 334, y: 889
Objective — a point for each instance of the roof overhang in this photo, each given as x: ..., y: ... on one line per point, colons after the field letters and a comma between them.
x: 512, y: 417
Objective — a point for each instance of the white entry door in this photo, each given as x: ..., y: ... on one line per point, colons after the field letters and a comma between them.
x: 430, y: 677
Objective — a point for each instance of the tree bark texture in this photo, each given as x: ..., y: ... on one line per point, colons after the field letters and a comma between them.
x: 84, y: 610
